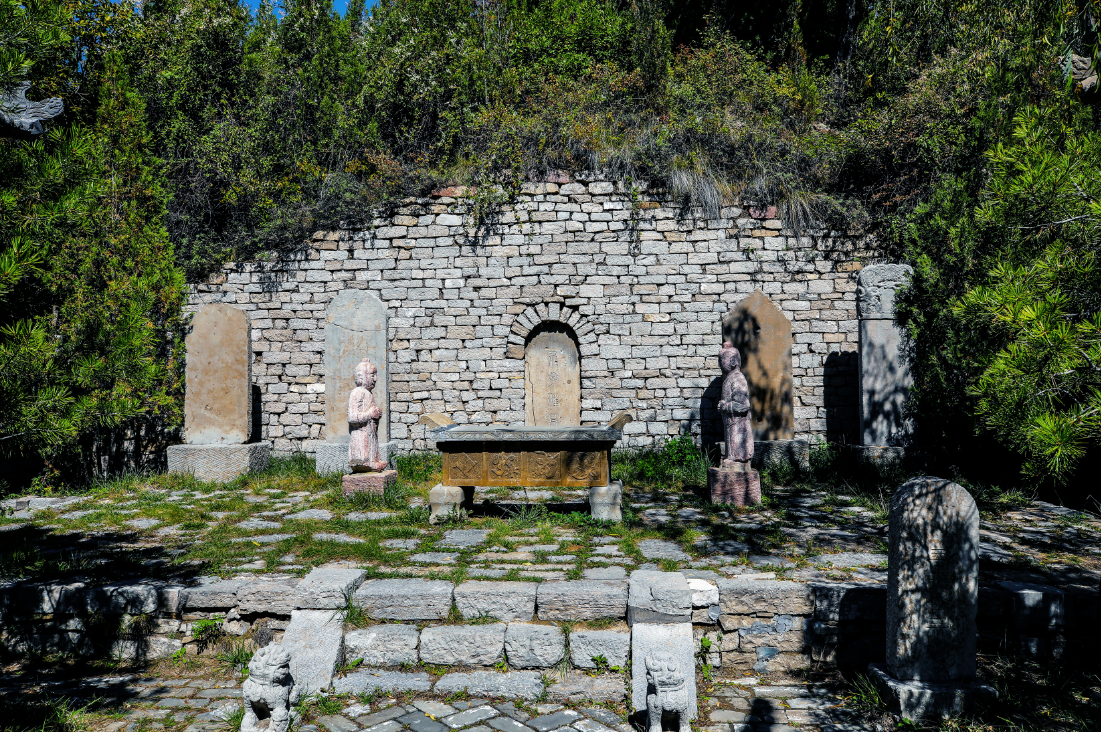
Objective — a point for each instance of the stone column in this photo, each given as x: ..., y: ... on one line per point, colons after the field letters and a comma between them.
x: 932, y: 600
x: 355, y: 328
x: 218, y: 399
x: 884, y: 374
x: 659, y: 611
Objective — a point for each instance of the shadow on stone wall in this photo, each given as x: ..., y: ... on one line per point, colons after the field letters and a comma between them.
x: 841, y: 398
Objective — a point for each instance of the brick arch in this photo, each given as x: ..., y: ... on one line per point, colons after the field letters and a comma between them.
x: 551, y: 312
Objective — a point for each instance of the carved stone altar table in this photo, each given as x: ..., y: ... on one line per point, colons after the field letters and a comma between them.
x: 492, y: 455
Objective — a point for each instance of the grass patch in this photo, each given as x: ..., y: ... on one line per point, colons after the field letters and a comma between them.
x: 677, y: 463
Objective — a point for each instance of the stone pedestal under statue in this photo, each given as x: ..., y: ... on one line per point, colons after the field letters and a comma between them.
x: 372, y: 483
x: 738, y: 485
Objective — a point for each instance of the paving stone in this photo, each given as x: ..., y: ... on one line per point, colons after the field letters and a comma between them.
x: 589, y: 725
x: 582, y: 600
x: 538, y: 548
x: 382, y: 645
x: 405, y: 599
x: 434, y: 557
x: 400, y: 543
x: 511, y: 685
x: 662, y: 549
x: 602, y: 715
x: 419, y: 722
x: 468, y: 645
x: 266, y: 597
x: 509, y: 709
x: 326, y: 588
x: 554, y: 721
x: 255, y: 523
x: 336, y: 723
x: 614, y: 645
x: 315, y: 641
x: 605, y: 573
x: 263, y: 538
x: 506, y: 724
x: 215, y: 595
x: 470, y: 716
x: 390, y: 726
x: 380, y: 680
x: 383, y: 715
x: 502, y: 600
x: 436, y: 709
x: 770, y: 561
x: 739, y: 596
x: 580, y: 687
x: 368, y: 515
x: 312, y: 514
x: 463, y: 538
x: 529, y: 645
x: 782, y: 692
x: 145, y: 523
x: 338, y: 538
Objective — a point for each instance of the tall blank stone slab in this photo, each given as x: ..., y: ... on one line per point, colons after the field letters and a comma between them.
x: 315, y: 640
x: 884, y: 374
x: 218, y: 400
x: 762, y: 334
x: 674, y: 639
x: 355, y: 328
x: 552, y: 369
x: 932, y: 600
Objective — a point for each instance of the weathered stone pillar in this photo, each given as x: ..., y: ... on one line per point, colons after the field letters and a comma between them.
x: 218, y: 399
x: 932, y: 600
x: 659, y: 611
x: 884, y: 374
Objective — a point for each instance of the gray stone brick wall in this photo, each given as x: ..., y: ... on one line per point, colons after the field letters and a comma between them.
x: 643, y: 284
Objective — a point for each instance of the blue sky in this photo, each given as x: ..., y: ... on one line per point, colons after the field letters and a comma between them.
x: 341, y: 6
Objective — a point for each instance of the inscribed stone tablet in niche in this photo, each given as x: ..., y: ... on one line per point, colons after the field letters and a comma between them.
x: 553, y: 376
x: 355, y: 328
x: 932, y: 581
x: 762, y: 334
x: 218, y: 401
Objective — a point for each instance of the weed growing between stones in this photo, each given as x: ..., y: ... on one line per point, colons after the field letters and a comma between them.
x: 45, y: 715
x: 236, y: 654
x: 677, y: 463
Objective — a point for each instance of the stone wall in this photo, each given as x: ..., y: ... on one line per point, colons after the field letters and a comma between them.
x: 643, y: 285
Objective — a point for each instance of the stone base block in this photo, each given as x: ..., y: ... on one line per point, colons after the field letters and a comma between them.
x: 793, y: 453
x: 918, y: 700
x: 446, y: 499
x: 331, y: 458
x: 879, y: 455
x: 606, y: 501
x: 374, y: 483
x: 218, y: 462
x: 739, y: 485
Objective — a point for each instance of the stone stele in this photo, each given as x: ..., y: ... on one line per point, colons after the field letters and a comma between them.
x: 356, y: 323
x: 552, y: 370
x: 762, y: 334
x: 218, y: 401
x: 884, y: 374
x: 932, y: 599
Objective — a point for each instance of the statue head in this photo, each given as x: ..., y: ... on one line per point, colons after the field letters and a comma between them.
x: 270, y: 664
x: 729, y: 358
x: 366, y: 373
x: 663, y: 670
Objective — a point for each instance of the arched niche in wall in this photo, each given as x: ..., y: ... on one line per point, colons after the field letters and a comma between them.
x: 552, y: 376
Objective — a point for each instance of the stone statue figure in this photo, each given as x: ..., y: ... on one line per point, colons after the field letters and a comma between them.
x: 23, y: 114
x: 268, y: 691
x: 734, y: 408
x: 363, y: 417
x: 667, y: 691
